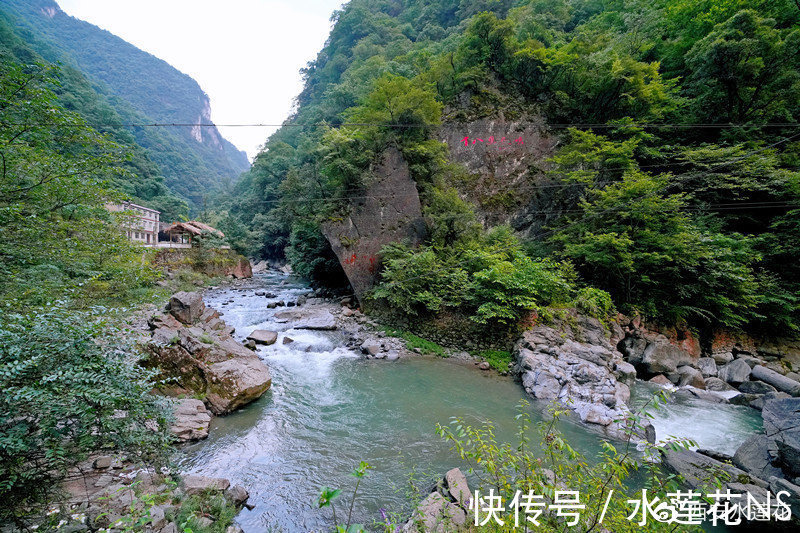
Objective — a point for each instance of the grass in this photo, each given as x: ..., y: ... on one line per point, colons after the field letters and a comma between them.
x: 414, y: 342
x: 208, y: 504
x: 498, y: 359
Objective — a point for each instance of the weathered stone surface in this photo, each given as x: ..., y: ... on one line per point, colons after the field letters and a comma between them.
x: 722, y: 358
x: 457, y: 486
x: 238, y: 495
x: 191, y: 420
x: 236, y: 382
x: 157, y: 518
x: 370, y: 347
x: 707, y: 366
x: 193, y: 484
x: 654, y: 353
x: 779, y: 381
x: 389, y: 211
x: 756, y: 387
x: 187, y: 307
x: 735, y: 372
x: 756, y: 455
x: 435, y: 514
x: 625, y: 372
x: 552, y: 365
x: 691, y: 376
x: 263, y: 336
x: 660, y: 379
x: 242, y: 269
x: 716, y: 384
x: 697, y: 469
x: 102, y: 462
x: 782, y: 423
x: 320, y: 320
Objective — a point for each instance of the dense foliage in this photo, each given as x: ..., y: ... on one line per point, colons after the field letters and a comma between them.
x: 119, y: 84
x: 67, y: 384
x: 676, y: 188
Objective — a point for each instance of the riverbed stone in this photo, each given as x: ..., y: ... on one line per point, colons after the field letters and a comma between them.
x: 777, y: 380
x: 691, y: 376
x: 319, y: 320
x: 191, y: 420
x: 707, y: 366
x: 263, y: 336
x: 756, y: 387
x: 782, y: 423
x: 237, y: 494
x: 194, y: 484
x: 756, y: 455
x: 370, y: 347
x: 735, y: 372
x: 457, y: 486
x: 697, y: 469
x: 187, y: 307
x: 722, y: 358
x: 660, y: 379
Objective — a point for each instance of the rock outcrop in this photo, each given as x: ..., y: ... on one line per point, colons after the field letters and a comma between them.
x: 388, y: 211
x: 192, y: 346
x: 445, y: 509
x: 191, y: 420
x: 577, y: 366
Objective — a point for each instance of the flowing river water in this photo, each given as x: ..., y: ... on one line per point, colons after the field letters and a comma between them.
x: 328, y: 409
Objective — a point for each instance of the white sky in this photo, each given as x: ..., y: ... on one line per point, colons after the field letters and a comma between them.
x: 246, y: 54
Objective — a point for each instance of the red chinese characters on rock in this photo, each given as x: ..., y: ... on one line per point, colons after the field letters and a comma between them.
x: 369, y: 262
x: 501, y: 144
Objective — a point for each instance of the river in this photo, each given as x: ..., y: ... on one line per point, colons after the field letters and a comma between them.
x: 328, y: 409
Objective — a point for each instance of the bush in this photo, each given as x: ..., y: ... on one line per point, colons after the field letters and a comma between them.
x: 594, y: 302
x: 64, y: 384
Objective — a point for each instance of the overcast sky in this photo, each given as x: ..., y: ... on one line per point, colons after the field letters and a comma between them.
x: 246, y: 54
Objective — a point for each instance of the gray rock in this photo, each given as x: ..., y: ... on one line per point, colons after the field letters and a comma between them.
x: 756, y: 455
x: 457, y: 486
x: 322, y: 320
x: 370, y: 348
x: 660, y: 379
x: 660, y: 356
x: 707, y: 366
x: 238, y: 495
x: 722, y: 358
x: 484, y: 365
x: 777, y: 380
x: 102, y: 462
x: 287, y: 340
x: 735, y: 372
x: 717, y: 385
x: 169, y: 528
x: 157, y: 518
x: 187, y: 307
x: 193, y: 484
x: 782, y: 423
x: 691, y: 376
x: 191, y: 420
x: 392, y: 356
x: 625, y: 372
x: 263, y: 336
x: 697, y: 470
x: 435, y: 514
x: 756, y: 387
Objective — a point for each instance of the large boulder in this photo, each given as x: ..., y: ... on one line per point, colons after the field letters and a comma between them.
x: 191, y: 420
x: 691, y: 376
x: 782, y: 423
x: 654, y: 353
x: 242, y: 269
x: 553, y: 365
x: 194, y: 484
x: 699, y: 471
x: 236, y: 382
x: 388, y: 211
x: 187, y: 307
x: 777, y: 380
x: 736, y: 372
x: 321, y: 320
x: 756, y: 455
x: 263, y: 336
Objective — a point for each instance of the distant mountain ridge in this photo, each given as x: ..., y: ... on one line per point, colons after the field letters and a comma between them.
x: 141, y: 88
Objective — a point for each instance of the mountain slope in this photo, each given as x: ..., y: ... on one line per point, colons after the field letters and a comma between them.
x: 142, y: 89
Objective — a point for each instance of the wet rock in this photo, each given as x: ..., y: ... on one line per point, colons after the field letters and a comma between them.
x: 756, y: 455
x: 717, y: 385
x: 655, y: 353
x: 263, y: 336
x: 697, y: 469
x: 193, y: 484
x: 782, y: 423
x: 187, y: 307
x: 691, y: 376
x: 759, y: 402
x: 392, y: 356
x: 625, y: 372
x: 287, y: 340
x: 191, y: 420
x: 484, y: 365
x: 238, y: 495
x: 236, y: 382
x: 735, y: 372
x: 777, y: 380
x: 370, y: 348
x: 272, y: 305
x: 322, y: 320
x: 756, y: 387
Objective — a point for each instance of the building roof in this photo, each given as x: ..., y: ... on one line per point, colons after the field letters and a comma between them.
x: 194, y: 227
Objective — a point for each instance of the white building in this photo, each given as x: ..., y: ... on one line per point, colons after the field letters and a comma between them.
x: 141, y: 224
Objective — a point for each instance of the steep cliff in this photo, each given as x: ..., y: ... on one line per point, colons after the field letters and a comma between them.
x: 142, y: 89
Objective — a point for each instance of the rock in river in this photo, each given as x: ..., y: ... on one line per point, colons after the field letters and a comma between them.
x: 191, y: 420
x: 263, y: 336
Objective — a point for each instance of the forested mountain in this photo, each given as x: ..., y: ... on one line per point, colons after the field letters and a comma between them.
x: 134, y: 87
x: 664, y: 177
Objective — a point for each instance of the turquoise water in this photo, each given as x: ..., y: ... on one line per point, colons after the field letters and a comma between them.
x: 328, y: 409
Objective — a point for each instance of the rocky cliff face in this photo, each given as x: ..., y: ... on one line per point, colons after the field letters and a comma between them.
x: 388, y: 212
x: 506, y: 163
